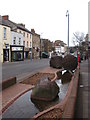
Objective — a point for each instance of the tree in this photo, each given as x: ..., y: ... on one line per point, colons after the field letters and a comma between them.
x: 81, y: 41
x: 78, y: 38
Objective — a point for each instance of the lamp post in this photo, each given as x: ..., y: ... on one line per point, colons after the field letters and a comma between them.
x: 67, y: 15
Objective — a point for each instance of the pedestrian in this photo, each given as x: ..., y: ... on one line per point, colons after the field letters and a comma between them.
x: 78, y: 58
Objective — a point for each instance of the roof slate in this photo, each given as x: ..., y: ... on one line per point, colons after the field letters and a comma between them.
x: 14, y: 26
x: 3, y: 22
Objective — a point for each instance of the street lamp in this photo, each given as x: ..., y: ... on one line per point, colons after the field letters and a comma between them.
x: 67, y: 15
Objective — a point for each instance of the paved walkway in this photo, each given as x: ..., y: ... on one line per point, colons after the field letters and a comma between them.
x: 82, y: 103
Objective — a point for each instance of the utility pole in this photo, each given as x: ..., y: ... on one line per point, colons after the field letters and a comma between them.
x: 67, y: 15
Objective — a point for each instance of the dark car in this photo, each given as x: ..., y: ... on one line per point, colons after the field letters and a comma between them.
x: 45, y: 55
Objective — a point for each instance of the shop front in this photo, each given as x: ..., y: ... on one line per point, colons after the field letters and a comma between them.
x: 17, y: 53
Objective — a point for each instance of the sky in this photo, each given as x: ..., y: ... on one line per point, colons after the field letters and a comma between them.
x: 48, y: 17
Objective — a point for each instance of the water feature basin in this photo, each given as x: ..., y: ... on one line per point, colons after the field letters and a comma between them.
x: 24, y: 107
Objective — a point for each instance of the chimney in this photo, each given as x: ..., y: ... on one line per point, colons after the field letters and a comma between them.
x: 0, y: 19
x: 21, y: 24
x: 5, y: 17
x: 32, y: 30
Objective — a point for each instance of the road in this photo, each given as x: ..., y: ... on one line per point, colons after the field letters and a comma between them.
x: 22, y: 69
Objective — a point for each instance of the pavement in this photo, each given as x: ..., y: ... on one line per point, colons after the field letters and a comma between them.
x: 82, y: 109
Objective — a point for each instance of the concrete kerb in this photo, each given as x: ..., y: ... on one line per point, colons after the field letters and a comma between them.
x: 8, y: 82
x: 25, y: 77
x: 70, y: 105
x: 63, y: 105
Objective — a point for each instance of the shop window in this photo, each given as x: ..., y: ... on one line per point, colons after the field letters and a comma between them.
x: 19, y: 41
x: 4, y: 33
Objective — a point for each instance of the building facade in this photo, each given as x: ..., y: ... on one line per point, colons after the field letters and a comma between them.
x: 35, y: 44
x: 27, y: 42
x: 5, y: 41
x: 27, y: 36
x: 16, y: 47
x: 60, y: 47
x: 46, y: 45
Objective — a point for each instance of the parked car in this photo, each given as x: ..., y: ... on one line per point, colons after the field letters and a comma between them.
x: 45, y: 55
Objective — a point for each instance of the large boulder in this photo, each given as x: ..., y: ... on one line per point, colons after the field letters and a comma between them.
x: 56, y: 62
x: 45, y: 90
x: 69, y: 62
x: 66, y: 77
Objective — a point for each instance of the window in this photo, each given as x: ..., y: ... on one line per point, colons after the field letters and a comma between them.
x: 30, y: 44
x: 27, y: 43
x: 27, y: 35
x: 20, y: 31
x: 30, y: 36
x: 24, y: 43
x: 14, y: 41
x: 24, y: 34
x: 4, y: 33
x: 19, y: 41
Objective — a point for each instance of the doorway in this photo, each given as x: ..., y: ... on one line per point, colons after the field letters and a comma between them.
x: 5, y: 55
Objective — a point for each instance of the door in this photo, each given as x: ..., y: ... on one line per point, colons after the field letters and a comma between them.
x: 6, y: 55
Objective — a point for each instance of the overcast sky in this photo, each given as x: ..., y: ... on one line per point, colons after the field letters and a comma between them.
x: 48, y: 17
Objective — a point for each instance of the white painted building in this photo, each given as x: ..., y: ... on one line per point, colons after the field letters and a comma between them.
x: 60, y: 50
x: 17, y: 47
x: 16, y: 38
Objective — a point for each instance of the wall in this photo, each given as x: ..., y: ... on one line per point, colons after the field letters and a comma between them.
x: 36, y: 44
x: 17, y: 35
x: 29, y: 39
x: 25, y: 38
x: 60, y: 49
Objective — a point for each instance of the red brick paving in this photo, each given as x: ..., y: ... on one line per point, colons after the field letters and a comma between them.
x: 10, y: 94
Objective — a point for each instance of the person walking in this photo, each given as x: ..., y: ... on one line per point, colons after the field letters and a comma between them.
x: 78, y: 58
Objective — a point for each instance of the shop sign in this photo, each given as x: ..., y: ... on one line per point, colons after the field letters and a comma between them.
x: 17, y: 48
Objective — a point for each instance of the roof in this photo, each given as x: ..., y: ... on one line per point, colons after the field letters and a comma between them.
x: 59, y: 42
x: 33, y: 32
x: 14, y: 26
x: 3, y: 22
